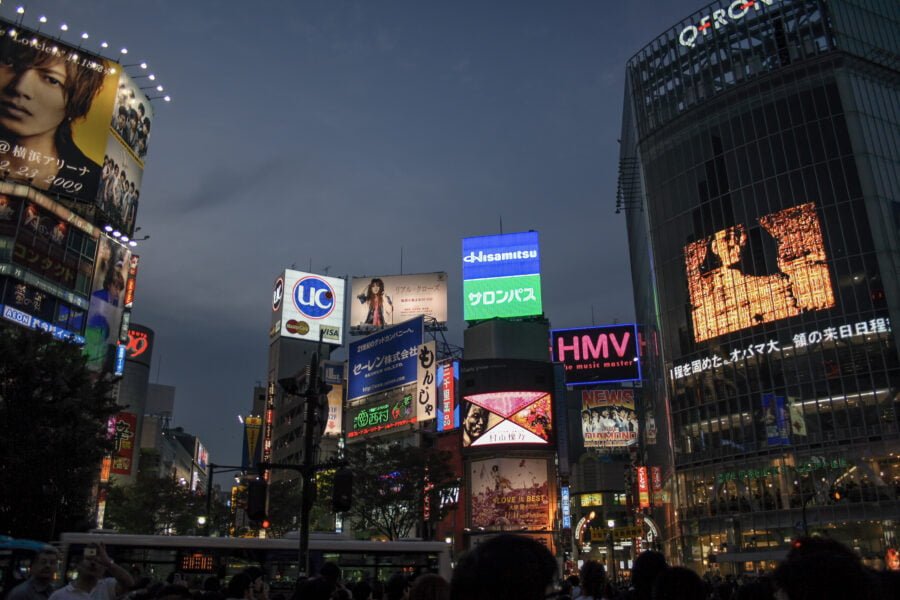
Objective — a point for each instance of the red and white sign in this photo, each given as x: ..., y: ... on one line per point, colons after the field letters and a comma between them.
x: 643, y: 487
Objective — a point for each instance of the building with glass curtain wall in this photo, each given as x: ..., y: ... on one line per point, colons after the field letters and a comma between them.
x: 760, y: 181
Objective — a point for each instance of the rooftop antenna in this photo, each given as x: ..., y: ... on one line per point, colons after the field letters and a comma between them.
x: 501, y: 224
x: 593, y: 322
x: 401, y: 260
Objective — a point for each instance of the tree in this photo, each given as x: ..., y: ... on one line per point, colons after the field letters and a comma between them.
x: 156, y: 506
x: 54, y: 416
x: 389, y: 485
x: 284, y: 505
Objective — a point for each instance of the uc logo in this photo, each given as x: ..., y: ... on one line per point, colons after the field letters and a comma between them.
x: 313, y: 297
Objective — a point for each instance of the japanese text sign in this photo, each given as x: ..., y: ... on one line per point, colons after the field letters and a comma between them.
x: 384, y: 360
x: 501, y: 276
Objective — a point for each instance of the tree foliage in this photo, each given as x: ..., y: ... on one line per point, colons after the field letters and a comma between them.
x: 160, y: 506
x: 389, y: 485
x: 54, y: 417
x: 285, y: 498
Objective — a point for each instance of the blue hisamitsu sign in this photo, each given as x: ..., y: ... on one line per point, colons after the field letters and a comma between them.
x: 384, y: 360
x: 503, y: 255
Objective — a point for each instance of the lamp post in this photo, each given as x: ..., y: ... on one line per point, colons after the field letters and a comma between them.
x: 611, y: 566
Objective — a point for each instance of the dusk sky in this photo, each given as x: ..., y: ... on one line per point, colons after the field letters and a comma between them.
x: 331, y: 134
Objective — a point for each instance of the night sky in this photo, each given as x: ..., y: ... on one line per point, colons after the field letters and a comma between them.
x: 330, y: 135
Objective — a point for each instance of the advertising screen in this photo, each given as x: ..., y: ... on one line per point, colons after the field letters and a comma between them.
x: 139, y: 347
x: 447, y: 387
x: 305, y: 305
x: 730, y: 291
x: 508, y: 418
x: 41, y: 247
x: 608, y: 419
x: 501, y: 276
x: 335, y: 410
x: 510, y: 493
x: 379, y: 302
x: 67, y: 140
x: 384, y: 360
x: 607, y: 353
x: 251, y: 454
x: 107, y: 300
x: 381, y: 416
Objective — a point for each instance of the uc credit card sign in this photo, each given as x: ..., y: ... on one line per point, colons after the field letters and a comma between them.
x: 305, y: 305
x: 501, y: 276
x: 384, y: 360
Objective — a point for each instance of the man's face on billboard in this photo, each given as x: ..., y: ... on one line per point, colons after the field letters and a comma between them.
x: 32, y: 99
x: 476, y: 421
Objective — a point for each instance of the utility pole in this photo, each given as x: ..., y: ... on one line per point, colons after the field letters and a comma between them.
x: 308, y: 471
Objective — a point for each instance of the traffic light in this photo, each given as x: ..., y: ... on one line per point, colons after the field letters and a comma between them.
x: 258, y: 500
x: 342, y: 491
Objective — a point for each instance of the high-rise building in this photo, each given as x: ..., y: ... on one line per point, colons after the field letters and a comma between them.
x: 758, y: 175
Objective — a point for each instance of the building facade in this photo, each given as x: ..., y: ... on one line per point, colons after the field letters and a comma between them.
x: 759, y: 178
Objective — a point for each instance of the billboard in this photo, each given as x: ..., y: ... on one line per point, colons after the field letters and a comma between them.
x: 305, y: 305
x: 729, y: 290
x: 384, y: 360
x: 58, y: 131
x: 380, y: 416
x: 107, y: 300
x: 643, y: 483
x: 333, y: 423
x: 516, y: 417
x: 426, y: 384
x: 139, y: 347
x: 447, y: 389
x: 122, y: 430
x: 251, y: 454
x: 776, y: 420
x: 607, y: 353
x: 510, y: 493
x: 608, y: 419
x: 379, y: 302
x: 501, y: 276
x: 41, y: 246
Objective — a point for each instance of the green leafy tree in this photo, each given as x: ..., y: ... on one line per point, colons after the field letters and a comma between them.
x: 158, y: 506
x: 285, y: 500
x: 54, y: 416
x: 389, y: 485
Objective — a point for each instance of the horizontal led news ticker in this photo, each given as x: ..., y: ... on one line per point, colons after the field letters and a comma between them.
x: 607, y: 353
x: 502, y: 297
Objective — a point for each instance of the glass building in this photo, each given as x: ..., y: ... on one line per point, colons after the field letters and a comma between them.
x: 760, y: 182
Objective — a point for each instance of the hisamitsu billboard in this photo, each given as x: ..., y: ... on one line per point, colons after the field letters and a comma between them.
x: 385, y: 360
x: 501, y: 276
x: 607, y: 353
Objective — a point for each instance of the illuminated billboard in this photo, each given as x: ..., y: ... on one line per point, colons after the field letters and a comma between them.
x: 510, y: 493
x: 517, y: 417
x: 501, y: 276
x: 447, y: 388
x: 384, y: 360
x: 726, y: 296
x: 69, y: 139
x: 608, y: 419
x: 379, y: 302
x: 305, y: 305
x: 123, y: 430
x: 607, y: 353
x: 107, y: 301
x: 384, y: 415
x: 140, y: 344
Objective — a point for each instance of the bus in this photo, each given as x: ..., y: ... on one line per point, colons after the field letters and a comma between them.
x: 197, y: 557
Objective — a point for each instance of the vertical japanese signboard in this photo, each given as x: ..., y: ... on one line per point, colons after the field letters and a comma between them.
x: 122, y: 429
x: 656, y: 485
x: 426, y: 385
x: 448, y: 385
x: 643, y: 483
x: 501, y: 276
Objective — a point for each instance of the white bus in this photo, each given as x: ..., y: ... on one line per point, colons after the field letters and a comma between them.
x: 197, y: 557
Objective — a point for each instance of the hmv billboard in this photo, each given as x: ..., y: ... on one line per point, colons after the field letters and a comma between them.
x: 603, y: 354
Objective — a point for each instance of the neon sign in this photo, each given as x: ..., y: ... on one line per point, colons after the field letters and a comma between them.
x: 721, y: 17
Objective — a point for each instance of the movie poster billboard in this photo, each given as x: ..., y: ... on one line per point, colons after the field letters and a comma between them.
x: 726, y: 296
x: 306, y: 306
x: 384, y: 360
x: 510, y: 493
x: 501, y: 276
x: 447, y: 388
x: 607, y: 353
x: 123, y: 431
x: 107, y: 301
x: 379, y: 302
x: 67, y: 141
x: 513, y: 417
x: 608, y: 418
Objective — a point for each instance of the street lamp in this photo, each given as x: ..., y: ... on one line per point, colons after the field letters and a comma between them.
x: 611, y: 567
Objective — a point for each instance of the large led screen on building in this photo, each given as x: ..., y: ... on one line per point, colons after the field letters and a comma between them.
x: 517, y: 417
x: 608, y: 418
x: 597, y: 354
x: 382, y: 415
x: 384, y: 360
x: 305, y: 306
x: 379, y: 302
x: 79, y: 130
x: 501, y: 276
x: 107, y: 301
x: 729, y: 293
x: 510, y: 493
